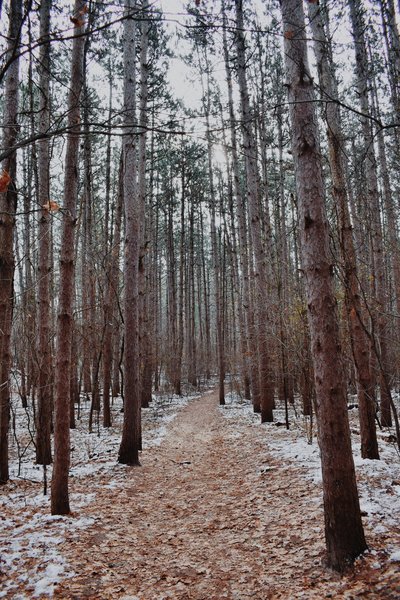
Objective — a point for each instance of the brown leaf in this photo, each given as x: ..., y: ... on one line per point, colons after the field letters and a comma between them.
x: 5, y: 181
x: 51, y: 206
x: 77, y: 22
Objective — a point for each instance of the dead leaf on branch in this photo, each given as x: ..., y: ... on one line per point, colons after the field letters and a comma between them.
x: 76, y: 21
x: 51, y: 206
x: 5, y: 181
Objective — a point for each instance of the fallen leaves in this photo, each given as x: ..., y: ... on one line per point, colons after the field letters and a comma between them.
x: 211, y: 515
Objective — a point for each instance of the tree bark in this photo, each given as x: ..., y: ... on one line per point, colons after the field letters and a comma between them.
x: 110, y: 302
x: 8, y: 205
x: 266, y: 387
x: 372, y: 201
x: 145, y: 26
x: 130, y: 442
x: 358, y: 330
x: 45, y: 396
x: 59, y: 484
x: 246, y: 340
x: 392, y: 41
x: 215, y: 257
x: 343, y: 527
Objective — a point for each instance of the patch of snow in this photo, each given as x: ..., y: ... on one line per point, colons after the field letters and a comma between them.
x: 53, y: 574
x: 158, y: 435
x: 395, y: 556
x: 37, y: 539
x: 113, y: 485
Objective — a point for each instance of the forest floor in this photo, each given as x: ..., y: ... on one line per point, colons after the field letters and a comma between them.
x: 221, y: 507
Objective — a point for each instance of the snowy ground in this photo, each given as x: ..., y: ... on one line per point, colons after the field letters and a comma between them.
x: 378, y: 480
x: 30, y: 537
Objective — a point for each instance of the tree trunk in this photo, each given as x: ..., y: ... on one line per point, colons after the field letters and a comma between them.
x: 372, y: 201
x: 182, y: 271
x: 45, y: 396
x: 343, y: 527
x: 392, y: 41
x: 283, y: 268
x: 357, y: 328
x: 206, y: 298
x: 261, y: 278
x: 191, y: 305
x: 130, y: 442
x: 30, y: 172
x: 59, y: 484
x: 110, y: 302
x: 142, y: 151
x: 174, y: 359
x: 244, y: 301
x: 8, y: 205
x: 216, y: 267
x: 391, y: 214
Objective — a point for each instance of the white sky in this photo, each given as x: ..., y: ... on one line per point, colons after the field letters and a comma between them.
x: 180, y: 78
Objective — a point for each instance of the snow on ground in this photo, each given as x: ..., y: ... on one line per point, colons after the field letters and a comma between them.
x: 378, y: 480
x: 27, y: 530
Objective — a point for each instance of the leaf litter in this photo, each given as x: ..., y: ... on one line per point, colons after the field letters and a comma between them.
x: 222, y: 507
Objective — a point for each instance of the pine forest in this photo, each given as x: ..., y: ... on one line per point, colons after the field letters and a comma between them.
x: 200, y: 299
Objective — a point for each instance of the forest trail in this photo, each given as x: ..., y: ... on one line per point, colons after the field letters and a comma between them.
x: 208, y: 516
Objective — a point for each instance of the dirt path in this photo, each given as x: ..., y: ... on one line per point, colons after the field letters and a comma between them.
x: 207, y: 516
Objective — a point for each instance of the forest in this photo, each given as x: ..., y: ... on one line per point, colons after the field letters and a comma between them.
x: 200, y: 299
